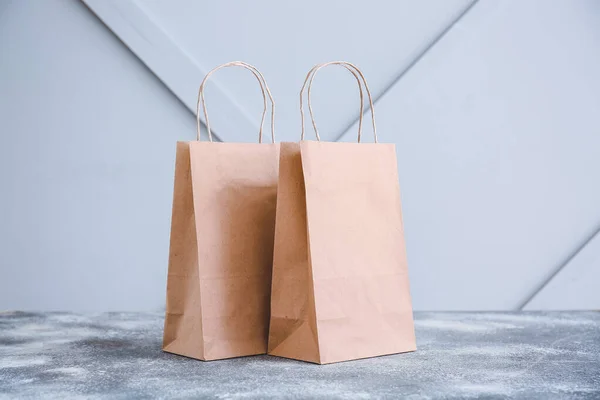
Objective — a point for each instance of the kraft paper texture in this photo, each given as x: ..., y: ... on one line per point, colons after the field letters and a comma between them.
x: 221, y: 253
x: 340, y: 288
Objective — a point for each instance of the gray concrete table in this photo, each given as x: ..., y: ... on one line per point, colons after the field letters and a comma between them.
x: 460, y: 355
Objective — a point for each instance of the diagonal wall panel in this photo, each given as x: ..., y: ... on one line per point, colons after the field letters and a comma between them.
x: 176, y: 69
x: 575, y: 285
x: 498, y: 140
x: 495, y: 124
x: 180, y: 40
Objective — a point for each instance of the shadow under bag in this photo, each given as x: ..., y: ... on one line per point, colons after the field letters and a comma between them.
x: 340, y: 287
x: 221, y: 250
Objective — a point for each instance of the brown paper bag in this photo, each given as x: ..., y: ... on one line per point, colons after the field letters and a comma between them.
x: 340, y: 286
x: 221, y: 254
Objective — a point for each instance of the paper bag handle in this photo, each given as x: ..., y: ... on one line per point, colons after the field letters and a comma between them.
x: 310, y: 106
x: 263, y: 86
x: 355, y: 70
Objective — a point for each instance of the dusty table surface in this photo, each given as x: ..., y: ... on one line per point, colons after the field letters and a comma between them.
x: 542, y: 355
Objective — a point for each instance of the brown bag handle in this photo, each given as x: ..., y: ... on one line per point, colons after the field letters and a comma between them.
x: 310, y: 106
x: 263, y: 86
x: 354, y: 70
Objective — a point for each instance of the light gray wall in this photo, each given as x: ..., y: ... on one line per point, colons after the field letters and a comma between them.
x: 498, y: 142
x: 86, y: 161
x: 284, y: 39
x: 492, y: 104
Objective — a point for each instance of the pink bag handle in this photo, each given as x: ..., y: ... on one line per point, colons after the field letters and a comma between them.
x: 263, y: 86
x: 355, y: 70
